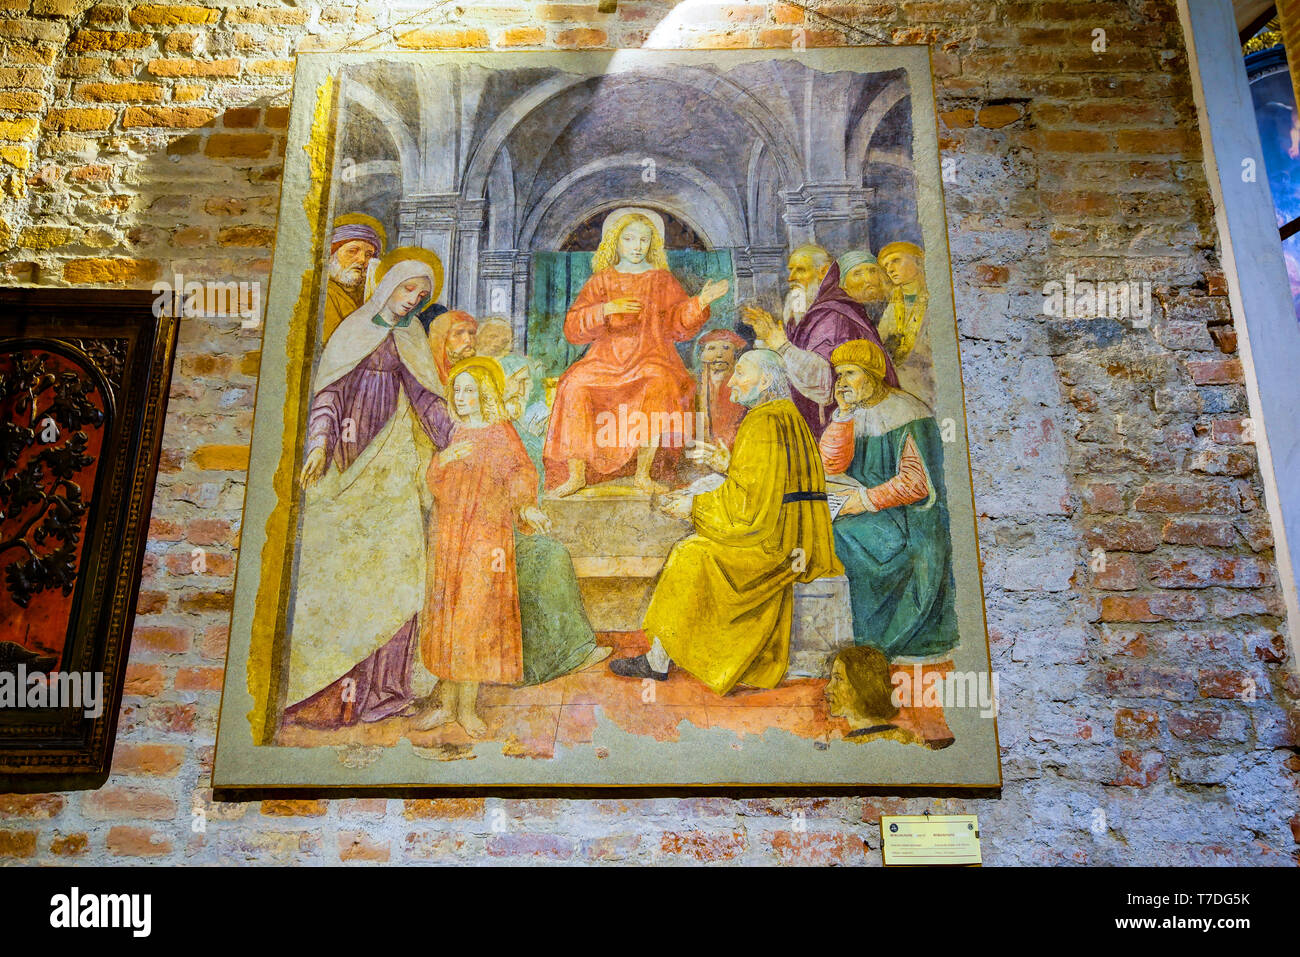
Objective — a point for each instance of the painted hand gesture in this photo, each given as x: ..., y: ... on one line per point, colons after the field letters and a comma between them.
x: 716, y: 457
x: 713, y: 290
x: 537, y: 520
x: 454, y: 453
x: 313, y: 468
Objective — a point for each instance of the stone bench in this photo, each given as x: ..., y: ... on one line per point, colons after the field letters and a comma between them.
x: 619, y: 542
x: 823, y: 624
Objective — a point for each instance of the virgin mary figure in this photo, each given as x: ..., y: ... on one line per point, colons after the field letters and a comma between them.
x: 360, y: 565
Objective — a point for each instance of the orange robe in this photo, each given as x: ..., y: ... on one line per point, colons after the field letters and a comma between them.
x: 470, y: 627
x: 632, y: 372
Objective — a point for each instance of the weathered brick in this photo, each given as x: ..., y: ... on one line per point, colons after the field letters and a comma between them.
x: 431, y: 38
x: 120, y: 92
x: 1139, y: 769
x: 704, y: 845
x: 1199, y: 531
x: 144, y: 680
x: 443, y: 808
x: 125, y: 841
x: 159, y: 759
x: 540, y: 846
x: 168, y: 15
x: 222, y: 458
x: 1202, y: 571
x: 21, y: 129
x: 256, y: 236
x: 168, y: 640
x: 94, y: 272
x: 816, y: 848
x: 239, y: 145
x: 199, y: 679
x: 1131, y: 723
x: 17, y: 843
x: 522, y: 36
x: 43, y: 806
x: 70, y: 845
x: 1122, y: 534
x: 180, y: 117
x: 1185, y: 497
x: 1117, y: 572
x: 294, y: 808
x: 581, y: 38
x: 180, y: 66
x: 359, y: 846
x: 98, y: 41
x: 119, y: 803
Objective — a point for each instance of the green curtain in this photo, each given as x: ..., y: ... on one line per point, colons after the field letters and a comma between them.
x: 559, y: 277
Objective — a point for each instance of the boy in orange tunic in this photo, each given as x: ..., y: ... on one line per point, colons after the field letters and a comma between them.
x: 631, y: 310
x: 482, y: 484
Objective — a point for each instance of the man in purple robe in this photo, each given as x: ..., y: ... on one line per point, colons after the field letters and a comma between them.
x: 361, y: 562
x: 819, y: 316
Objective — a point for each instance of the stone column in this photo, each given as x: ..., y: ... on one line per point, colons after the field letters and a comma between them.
x: 833, y: 215
x: 453, y: 228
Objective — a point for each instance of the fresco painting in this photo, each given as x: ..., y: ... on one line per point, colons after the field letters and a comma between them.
x: 611, y: 431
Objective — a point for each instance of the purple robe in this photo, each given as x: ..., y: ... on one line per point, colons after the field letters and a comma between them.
x: 380, y: 686
x: 368, y: 396
x: 833, y: 319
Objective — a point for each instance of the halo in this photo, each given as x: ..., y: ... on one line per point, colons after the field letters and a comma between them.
x: 361, y: 219
x: 622, y: 211
x: 487, y: 365
x: 403, y: 253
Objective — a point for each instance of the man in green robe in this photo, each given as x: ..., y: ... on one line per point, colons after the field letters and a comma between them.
x: 884, y: 452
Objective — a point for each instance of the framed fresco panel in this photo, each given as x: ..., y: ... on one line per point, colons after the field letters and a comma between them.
x: 610, y: 432
x: 84, y: 376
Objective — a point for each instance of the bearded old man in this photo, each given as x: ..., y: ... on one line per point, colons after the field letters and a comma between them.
x: 361, y: 559
x: 806, y: 338
x: 862, y: 277
x: 723, y: 606
x: 352, y: 246
x: 892, y: 535
x: 453, y: 337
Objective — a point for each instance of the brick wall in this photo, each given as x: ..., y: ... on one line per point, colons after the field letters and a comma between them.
x: 137, y: 142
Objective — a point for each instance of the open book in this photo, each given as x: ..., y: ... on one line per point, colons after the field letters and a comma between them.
x: 839, y: 489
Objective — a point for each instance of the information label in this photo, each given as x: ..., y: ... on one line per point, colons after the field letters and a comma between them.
x: 930, y: 839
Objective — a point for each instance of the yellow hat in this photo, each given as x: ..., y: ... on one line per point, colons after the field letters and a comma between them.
x: 862, y: 353
x: 910, y: 249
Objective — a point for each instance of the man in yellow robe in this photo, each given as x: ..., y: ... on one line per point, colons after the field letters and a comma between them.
x: 352, y: 246
x: 723, y: 605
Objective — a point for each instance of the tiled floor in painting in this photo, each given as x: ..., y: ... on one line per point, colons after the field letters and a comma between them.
x: 530, y: 722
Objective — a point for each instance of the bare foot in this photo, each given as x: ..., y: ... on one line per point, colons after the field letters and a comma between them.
x: 598, y: 654
x: 472, y: 724
x: 431, y: 718
x: 648, y: 485
x: 573, y: 484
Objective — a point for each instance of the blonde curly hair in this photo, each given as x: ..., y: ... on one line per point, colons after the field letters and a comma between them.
x: 607, y: 252
x: 487, y: 374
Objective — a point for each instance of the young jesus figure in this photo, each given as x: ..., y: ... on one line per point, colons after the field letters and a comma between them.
x: 632, y: 310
